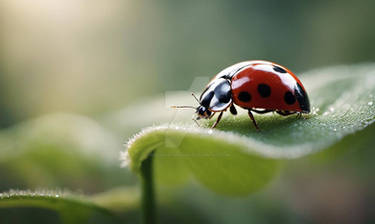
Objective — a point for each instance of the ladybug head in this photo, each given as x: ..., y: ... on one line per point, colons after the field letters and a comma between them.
x: 203, y: 112
x: 216, y: 97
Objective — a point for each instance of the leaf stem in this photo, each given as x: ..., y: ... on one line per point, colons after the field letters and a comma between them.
x: 148, y: 198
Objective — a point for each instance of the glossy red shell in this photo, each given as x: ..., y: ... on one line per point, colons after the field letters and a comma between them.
x: 278, y: 80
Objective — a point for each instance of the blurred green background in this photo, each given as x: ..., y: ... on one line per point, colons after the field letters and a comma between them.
x: 90, y: 58
x: 94, y: 58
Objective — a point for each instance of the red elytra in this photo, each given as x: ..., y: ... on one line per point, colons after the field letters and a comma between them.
x: 270, y: 88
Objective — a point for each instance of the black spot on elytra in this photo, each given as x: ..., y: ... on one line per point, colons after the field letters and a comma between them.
x: 289, y: 98
x: 278, y: 69
x: 264, y: 90
x: 244, y: 96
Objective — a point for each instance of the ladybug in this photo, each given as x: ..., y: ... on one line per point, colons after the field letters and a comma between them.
x: 257, y: 86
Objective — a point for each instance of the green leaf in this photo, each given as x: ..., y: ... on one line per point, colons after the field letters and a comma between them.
x: 70, y: 208
x: 235, y: 159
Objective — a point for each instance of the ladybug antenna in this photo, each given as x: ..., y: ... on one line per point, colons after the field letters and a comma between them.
x: 190, y: 107
x: 182, y: 107
x: 196, y: 98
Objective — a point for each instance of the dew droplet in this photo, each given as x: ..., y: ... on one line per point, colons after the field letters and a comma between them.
x: 315, y: 110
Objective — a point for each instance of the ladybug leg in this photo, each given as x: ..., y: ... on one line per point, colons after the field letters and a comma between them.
x: 299, y: 115
x: 211, y: 115
x: 253, y: 119
x: 284, y: 112
x: 261, y: 111
x: 217, y: 120
x: 233, y: 110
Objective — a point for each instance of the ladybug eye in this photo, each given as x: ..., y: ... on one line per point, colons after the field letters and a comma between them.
x: 201, y: 110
